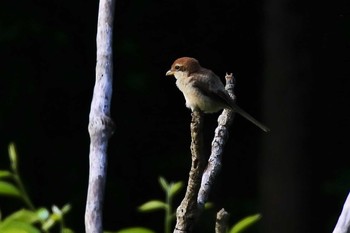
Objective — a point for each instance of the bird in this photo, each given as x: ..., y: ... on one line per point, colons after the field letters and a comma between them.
x: 203, y: 90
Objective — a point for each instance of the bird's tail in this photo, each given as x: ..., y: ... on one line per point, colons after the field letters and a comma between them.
x: 250, y: 118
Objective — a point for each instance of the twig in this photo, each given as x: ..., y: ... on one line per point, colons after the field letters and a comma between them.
x: 199, y: 184
x: 343, y: 224
x: 222, y: 218
x: 100, y: 124
x: 220, y: 138
x: 188, y: 212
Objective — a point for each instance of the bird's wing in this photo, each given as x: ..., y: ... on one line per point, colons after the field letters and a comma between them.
x: 220, y: 95
x: 211, y: 89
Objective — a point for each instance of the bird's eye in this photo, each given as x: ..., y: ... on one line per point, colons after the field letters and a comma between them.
x: 177, y: 67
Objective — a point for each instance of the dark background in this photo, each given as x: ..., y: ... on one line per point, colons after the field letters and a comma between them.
x: 291, y: 62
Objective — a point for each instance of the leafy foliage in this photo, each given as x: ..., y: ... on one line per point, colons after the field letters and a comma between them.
x: 244, y: 223
x: 171, y: 189
x: 29, y: 219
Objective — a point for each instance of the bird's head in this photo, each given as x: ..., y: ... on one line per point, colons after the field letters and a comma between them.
x: 183, y: 66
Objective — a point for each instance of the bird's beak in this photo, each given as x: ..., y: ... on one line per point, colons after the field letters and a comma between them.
x: 170, y: 72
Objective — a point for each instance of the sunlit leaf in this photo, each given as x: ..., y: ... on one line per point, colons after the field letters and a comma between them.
x: 17, y: 227
x: 245, y: 223
x: 43, y: 213
x: 66, y: 208
x: 23, y: 215
x: 175, y: 188
x: 56, y: 217
x: 13, y: 155
x: 152, y: 206
x: 48, y: 223
x: 9, y: 189
x: 5, y: 174
x: 56, y: 210
x: 67, y: 230
x: 135, y: 230
x: 163, y: 183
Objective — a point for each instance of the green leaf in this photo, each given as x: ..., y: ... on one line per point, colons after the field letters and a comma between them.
x: 43, y: 213
x: 175, y: 188
x: 245, y: 223
x: 54, y: 217
x: 67, y: 230
x: 66, y: 208
x: 48, y: 223
x: 56, y: 210
x: 9, y: 189
x: 23, y: 215
x: 208, y: 205
x: 5, y: 174
x: 13, y: 155
x: 135, y: 230
x: 163, y: 183
x: 17, y: 227
x: 152, y: 205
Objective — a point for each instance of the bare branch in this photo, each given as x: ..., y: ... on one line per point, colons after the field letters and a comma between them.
x: 222, y: 218
x: 343, y: 224
x: 187, y: 213
x: 101, y: 125
x: 199, y: 184
x: 220, y: 137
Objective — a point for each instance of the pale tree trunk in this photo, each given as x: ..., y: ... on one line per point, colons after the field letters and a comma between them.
x: 343, y: 224
x: 100, y: 124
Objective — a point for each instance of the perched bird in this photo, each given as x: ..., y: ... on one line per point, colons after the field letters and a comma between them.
x: 203, y: 89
